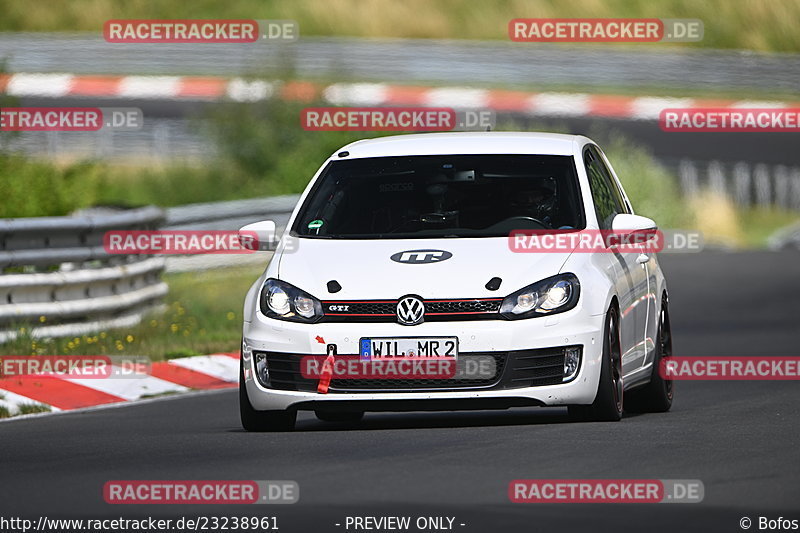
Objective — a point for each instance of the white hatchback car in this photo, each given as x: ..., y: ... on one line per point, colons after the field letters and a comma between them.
x: 400, y: 247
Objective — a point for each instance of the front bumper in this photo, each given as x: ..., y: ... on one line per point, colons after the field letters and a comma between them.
x: 574, y: 327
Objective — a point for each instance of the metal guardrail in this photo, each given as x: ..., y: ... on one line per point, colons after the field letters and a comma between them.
x: 413, y: 61
x: 57, y: 280
x: 228, y: 216
x: 787, y: 238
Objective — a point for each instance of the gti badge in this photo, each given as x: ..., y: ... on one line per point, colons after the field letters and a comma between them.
x: 410, y: 311
x: 419, y: 257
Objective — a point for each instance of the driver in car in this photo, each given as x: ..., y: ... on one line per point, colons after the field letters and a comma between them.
x: 537, y: 201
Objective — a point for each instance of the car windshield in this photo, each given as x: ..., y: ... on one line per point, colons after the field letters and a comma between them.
x: 441, y: 196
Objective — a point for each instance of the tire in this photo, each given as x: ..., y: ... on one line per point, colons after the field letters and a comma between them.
x: 608, y: 403
x: 656, y: 396
x: 350, y: 417
x: 254, y: 420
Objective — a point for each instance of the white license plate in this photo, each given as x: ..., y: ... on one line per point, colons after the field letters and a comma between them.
x: 380, y: 347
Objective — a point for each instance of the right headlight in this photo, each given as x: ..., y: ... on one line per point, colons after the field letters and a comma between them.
x: 286, y: 302
x: 552, y: 295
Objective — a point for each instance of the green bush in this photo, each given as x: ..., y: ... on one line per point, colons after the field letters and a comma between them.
x: 264, y: 151
x: 652, y: 189
x: 265, y: 142
x: 31, y: 188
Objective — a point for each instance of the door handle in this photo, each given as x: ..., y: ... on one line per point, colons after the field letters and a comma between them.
x: 642, y: 259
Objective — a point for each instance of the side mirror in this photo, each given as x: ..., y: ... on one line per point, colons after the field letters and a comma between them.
x: 634, y: 229
x: 258, y: 235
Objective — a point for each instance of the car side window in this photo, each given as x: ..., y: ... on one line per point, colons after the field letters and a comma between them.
x: 607, y: 198
x: 615, y: 186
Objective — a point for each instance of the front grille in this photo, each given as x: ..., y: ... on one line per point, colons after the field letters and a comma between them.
x: 349, y: 309
x: 446, y: 307
x: 435, y: 310
x: 514, y: 370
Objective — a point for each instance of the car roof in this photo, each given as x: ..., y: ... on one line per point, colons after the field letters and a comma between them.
x: 486, y: 142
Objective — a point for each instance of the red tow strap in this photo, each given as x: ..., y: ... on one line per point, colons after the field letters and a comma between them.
x: 327, y: 370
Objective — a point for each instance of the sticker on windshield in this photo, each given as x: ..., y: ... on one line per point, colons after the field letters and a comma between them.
x: 315, y: 225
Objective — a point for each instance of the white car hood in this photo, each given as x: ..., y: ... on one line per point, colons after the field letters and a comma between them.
x: 365, y: 270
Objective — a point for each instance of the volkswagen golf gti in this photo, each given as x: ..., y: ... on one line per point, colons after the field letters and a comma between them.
x: 400, y: 250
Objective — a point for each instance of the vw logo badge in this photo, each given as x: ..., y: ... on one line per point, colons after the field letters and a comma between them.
x: 410, y: 311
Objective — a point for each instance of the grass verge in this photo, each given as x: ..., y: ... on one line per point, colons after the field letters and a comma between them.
x: 33, y: 408
x: 747, y: 24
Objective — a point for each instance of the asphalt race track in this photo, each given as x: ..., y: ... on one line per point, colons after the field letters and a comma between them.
x: 741, y: 439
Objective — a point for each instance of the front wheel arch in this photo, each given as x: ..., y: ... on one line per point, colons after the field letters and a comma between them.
x: 608, y: 404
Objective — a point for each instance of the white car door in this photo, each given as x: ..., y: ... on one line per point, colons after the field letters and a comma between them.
x: 631, y: 272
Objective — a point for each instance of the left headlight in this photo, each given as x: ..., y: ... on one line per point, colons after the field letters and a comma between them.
x: 286, y: 302
x: 546, y: 297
